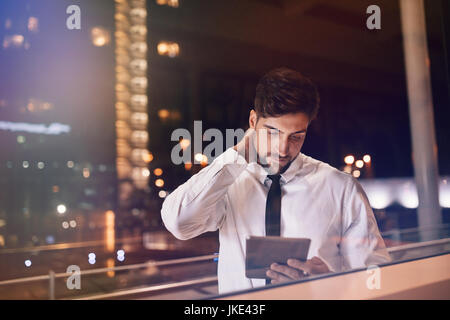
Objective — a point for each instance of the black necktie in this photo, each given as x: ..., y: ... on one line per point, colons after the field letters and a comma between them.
x: 273, y: 209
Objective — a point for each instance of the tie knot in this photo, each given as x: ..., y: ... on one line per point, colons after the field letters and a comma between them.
x: 274, y: 177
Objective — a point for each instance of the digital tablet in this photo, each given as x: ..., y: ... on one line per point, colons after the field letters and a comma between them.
x: 261, y: 252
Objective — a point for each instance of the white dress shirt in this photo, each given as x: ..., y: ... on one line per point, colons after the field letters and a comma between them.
x: 318, y: 202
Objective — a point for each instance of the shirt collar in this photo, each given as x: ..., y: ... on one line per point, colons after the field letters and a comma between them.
x: 261, y: 174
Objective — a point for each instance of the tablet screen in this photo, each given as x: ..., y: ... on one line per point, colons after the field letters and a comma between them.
x: 261, y: 252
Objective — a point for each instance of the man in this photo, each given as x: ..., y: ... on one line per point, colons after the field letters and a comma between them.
x: 265, y: 186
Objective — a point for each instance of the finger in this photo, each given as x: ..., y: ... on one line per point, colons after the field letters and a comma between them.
x: 277, y: 276
x: 251, y: 151
x: 318, y: 266
x: 316, y: 260
x: 306, y: 266
x: 288, y: 271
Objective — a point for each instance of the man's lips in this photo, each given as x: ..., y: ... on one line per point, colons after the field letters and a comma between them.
x: 279, y: 160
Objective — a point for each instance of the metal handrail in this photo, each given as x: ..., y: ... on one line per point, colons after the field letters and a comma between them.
x: 63, y: 246
x: 418, y: 245
x: 150, y: 289
x: 119, y: 268
x: 411, y: 230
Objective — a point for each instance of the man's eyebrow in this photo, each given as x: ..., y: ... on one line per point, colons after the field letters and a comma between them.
x: 270, y: 127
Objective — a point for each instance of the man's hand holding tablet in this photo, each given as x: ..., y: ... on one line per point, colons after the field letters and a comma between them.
x: 296, y: 270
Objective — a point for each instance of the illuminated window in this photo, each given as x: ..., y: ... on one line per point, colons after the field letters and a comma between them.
x: 138, y: 15
x: 138, y: 67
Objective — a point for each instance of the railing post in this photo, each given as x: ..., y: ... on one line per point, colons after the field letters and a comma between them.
x: 421, y: 116
x: 51, y: 285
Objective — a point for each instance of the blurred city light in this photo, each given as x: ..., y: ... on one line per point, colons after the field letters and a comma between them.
x: 33, y: 24
x: 349, y: 159
x: 170, y: 3
x: 162, y: 194
x: 61, y: 209
x: 185, y: 143
x: 367, y: 158
x: 100, y: 36
x: 163, y: 114
x: 359, y: 164
x: 380, y: 196
x: 148, y: 157
x: 356, y: 173
x: 120, y: 255
x: 65, y: 225
x: 168, y: 48
x: 110, y: 232
x: 50, y: 239
x: 28, y: 263
x: 110, y: 264
x: 204, y: 160
x: 188, y: 165
x: 158, y: 172
x: 20, y: 139
x: 15, y: 40
x: 73, y: 223
x: 8, y: 24
x: 159, y: 183
x: 145, y: 172
x: 198, y: 157
x: 86, y: 173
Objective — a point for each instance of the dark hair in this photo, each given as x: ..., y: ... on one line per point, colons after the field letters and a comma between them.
x: 282, y: 91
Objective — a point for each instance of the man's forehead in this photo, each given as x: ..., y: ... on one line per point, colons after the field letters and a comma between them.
x: 286, y: 124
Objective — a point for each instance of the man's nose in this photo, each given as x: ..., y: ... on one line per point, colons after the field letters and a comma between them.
x: 283, y: 146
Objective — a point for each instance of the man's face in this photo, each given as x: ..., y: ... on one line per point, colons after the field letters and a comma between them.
x: 279, y: 139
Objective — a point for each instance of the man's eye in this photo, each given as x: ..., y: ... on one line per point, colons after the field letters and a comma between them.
x: 273, y: 132
x: 297, y: 138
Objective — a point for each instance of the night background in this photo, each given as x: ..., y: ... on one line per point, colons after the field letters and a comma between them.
x: 50, y: 74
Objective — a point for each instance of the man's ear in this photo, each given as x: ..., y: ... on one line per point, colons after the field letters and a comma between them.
x: 252, y: 119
